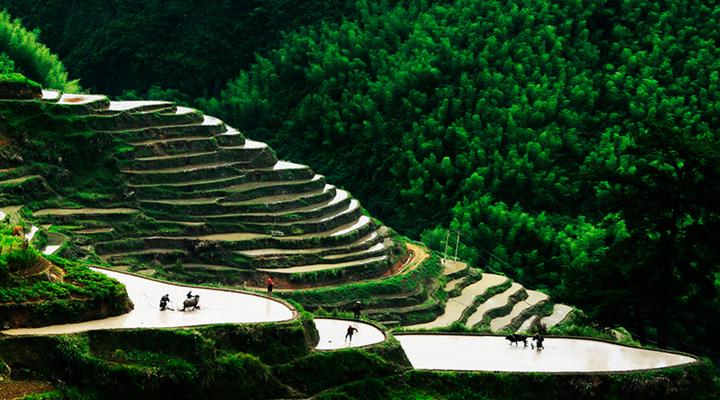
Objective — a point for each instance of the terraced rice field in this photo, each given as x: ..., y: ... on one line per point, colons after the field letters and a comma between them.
x: 332, y: 334
x: 457, y: 305
x: 492, y: 353
x: 434, y: 351
x: 512, y: 306
x: 216, y: 306
x: 200, y: 181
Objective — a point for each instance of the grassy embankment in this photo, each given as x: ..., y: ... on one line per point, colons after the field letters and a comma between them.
x: 269, y: 360
x: 38, y: 291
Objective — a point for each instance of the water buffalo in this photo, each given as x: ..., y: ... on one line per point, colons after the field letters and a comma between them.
x: 515, y: 338
x: 191, y: 302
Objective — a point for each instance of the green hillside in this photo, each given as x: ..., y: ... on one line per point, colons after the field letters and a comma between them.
x: 565, y: 152
x: 117, y: 46
x: 570, y: 143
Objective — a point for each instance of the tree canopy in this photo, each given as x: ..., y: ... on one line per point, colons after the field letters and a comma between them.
x: 21, y: 51
x: 190, y: 47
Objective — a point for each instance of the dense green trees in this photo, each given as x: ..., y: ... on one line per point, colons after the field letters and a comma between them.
x: 189, y: 46
x: 573, y: 141
x: 21, y: 51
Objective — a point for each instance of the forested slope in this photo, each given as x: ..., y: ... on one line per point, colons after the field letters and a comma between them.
x: 184, y: 48
x: 21, y: 51
x: 575, y: 141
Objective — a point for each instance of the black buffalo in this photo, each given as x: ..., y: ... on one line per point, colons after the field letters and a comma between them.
x: 515, y: 338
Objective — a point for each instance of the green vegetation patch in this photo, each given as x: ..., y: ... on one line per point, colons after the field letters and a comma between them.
x: 225, y: 360
x: 425, y: 273
x: 37, y: 291
x: 694, y: 381
x: 21, y: 51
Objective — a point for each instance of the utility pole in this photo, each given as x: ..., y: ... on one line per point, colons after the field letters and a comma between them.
x: 457, y: 244
x: 447, y: 239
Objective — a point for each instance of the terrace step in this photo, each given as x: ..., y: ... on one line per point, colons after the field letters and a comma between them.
x: 280, y: 198
x: 369, y: 252
x: 339, y: 231
x: 254, y: 190
x: 275, y: 252
x: 506, y: 321
x: 174, y: 160
x: 93, y: 231
x: 232, y: 237
x: 192, y: 185
x: 19, y: 180
x: 247, y: 187
x: 340, y: 195
x: 8, y: 173
x: 169, y: 140
x: 83, y: 211
x: 51, y: 96
x: 401, y: 313
x: 451, y: 285
x: 110, y: 256
x: 377, y: 250
x: 353, y: 206
x: 234, y: 241
x: 302, y: 226
x: 169, y: 146
x: 180, y: 174
x: 453, y: 267
x: 141, y: 106
x: 281, y: 171
x: 323, y: 208
x: 324, y: 267
x: 208, y: 267
x: 559, y: 314
x: 186, y: 202
x: 208, y: 127
x: 213, y: 206
x: 495, y: 302
x: 455, y: 307
x: 185, y: 223
x: 248, y: 144
x: 126, y: 121
x: 231, y: 137
x: 86, y: 102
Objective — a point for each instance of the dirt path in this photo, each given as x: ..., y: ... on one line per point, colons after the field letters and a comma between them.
x: 417, y: 256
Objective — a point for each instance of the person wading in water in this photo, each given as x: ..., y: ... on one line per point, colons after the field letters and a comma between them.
x: 350, y: 332
x: 538, y: 341
x: 163, y: 302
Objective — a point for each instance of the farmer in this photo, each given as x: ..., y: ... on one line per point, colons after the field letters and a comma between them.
x: 189, y: 295
x: 538, y: 341
x: 356, y: 308
x: 18, y: 230
x: 163, y: 302
x: 350, y: 332
x: 270, y: 285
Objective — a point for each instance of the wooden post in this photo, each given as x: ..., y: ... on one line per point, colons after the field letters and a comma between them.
x: 447, y: 239
x: 457, y: 244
